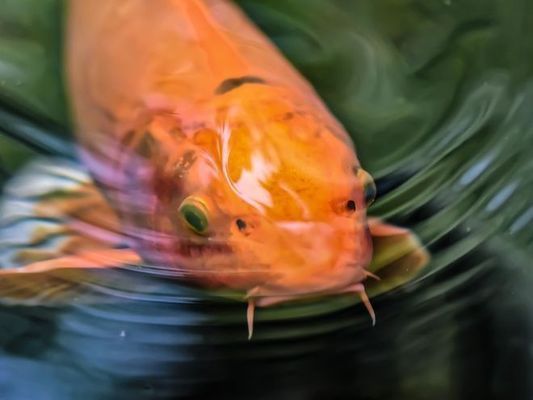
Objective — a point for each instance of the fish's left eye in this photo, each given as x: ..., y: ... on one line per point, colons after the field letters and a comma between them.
x: 194, y: 214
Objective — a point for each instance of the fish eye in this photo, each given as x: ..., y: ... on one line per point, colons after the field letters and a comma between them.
x: 194, y: 214
x: 369, y: 187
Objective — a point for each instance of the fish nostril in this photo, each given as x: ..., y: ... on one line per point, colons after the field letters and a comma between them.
x: 246, y: 225
x: 241, y: 224
x: 350, y: 206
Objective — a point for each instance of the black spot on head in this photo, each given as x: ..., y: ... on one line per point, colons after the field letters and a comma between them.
x: 233, y: 83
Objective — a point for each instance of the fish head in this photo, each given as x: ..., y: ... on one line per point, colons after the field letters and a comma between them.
x: 273, y: 201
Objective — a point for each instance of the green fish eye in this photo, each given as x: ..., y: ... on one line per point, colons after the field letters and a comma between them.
x: 195, y: 215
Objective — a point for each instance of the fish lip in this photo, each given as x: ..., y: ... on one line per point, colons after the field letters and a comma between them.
x: 275, y: 299
x: 273, y: 296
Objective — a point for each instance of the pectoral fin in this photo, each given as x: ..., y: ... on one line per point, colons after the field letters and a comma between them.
x: 58, y: 235
x: 398, y: 256
x: 60, y: 281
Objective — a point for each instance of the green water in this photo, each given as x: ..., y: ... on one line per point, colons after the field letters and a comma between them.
x: 438, y: 97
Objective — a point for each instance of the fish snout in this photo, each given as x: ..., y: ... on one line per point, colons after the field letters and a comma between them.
x: 315, y: 257
x: 326, y: 246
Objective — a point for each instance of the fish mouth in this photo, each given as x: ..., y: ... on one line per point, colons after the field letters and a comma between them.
x: 258, y: 297
x: 264, y: 298
x: 346, y: 280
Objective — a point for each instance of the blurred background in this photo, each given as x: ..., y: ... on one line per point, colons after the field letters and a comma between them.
x: 437, y: 96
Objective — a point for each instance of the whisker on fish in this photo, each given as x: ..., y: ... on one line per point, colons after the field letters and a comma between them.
x: 250, y: 318
x: 371, y: 275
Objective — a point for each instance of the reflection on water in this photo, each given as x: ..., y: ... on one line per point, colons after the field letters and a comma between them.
x: 437, y: 97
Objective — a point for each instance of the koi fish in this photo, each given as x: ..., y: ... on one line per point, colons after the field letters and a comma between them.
x: 216, y: 159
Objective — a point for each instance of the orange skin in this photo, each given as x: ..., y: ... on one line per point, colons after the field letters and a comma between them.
x: 178, y: 100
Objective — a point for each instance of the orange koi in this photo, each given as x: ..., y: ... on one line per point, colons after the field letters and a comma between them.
x: 218, y: 158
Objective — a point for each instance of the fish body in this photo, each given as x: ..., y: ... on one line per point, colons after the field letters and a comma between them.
x: 185, y: 103
x: 216, y: 159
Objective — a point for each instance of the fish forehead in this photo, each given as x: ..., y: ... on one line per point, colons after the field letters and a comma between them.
x: 281, y: 157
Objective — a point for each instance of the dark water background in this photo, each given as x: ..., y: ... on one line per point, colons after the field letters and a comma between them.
x: 438, y: 96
